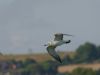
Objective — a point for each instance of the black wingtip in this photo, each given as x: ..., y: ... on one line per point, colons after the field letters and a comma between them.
x: 60, y: 60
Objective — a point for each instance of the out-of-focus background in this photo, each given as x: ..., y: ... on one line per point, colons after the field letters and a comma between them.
x: 26, y: 25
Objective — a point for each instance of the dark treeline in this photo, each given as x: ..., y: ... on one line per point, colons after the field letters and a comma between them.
x: 86, y: 53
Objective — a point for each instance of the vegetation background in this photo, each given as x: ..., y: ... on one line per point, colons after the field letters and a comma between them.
x: 44, y: 64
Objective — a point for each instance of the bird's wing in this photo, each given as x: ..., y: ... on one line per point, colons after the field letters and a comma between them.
x: 67, y: 34
x: 52, y: 52
x: 58, y: 37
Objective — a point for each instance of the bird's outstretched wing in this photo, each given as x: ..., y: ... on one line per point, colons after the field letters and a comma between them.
x: 58, y: 37
x: 68, y: 35
x: 52, y: 52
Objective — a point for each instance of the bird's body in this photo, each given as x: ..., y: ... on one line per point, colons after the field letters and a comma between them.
x: 58, y: 41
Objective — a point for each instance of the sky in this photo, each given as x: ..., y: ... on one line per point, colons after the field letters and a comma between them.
x: 27, y: 25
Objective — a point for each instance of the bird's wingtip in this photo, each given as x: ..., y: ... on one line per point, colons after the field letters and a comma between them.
x: 60, y: 61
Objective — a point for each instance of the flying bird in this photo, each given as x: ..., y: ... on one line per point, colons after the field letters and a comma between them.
x: 58, y: 41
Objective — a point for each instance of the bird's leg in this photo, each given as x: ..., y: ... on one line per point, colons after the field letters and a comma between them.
x: 68, y: 41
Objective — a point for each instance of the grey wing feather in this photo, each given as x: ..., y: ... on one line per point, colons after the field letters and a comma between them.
x: 58, y: 37
x: 67, y: 34
x: 52, y: 52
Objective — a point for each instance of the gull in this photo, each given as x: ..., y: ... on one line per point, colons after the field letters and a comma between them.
x: 58, y: 41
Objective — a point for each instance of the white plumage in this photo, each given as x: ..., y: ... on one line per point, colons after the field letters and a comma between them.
x: 58, y: 40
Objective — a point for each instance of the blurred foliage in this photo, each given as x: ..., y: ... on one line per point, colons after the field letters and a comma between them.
x: 50, y: 67
x: 98, y: 72
x: 1, y: 53
x: 86, y: 53
x: 63, y: 74
x: 98, y: 49
x: 67, y: 60
x: 83, y: 71
x: 28, y: 61
x: 33, y: 69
